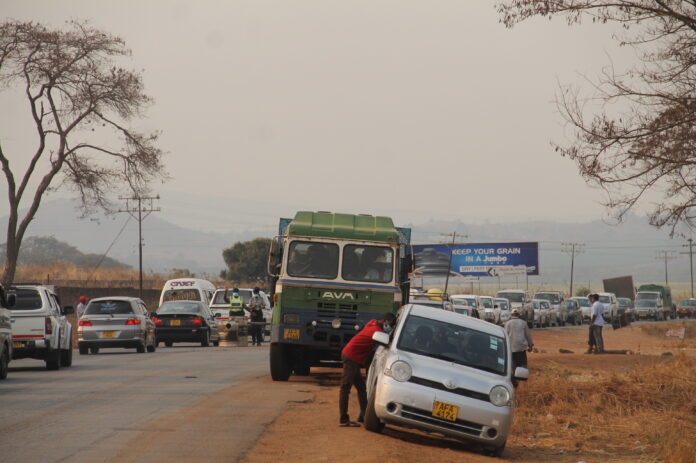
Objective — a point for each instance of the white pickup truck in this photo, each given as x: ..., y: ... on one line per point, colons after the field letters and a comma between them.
x: 39, y: 327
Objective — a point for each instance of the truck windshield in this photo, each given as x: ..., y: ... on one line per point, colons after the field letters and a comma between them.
x: 512, y: 297
x: 645, y: 303
x: 26, y: 299
x: 647, y: 296
x: 453, y: 343
x: 367, y: 263
x: 309, y: 259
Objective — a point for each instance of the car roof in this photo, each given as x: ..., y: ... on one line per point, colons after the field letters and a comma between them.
x: 463, y: 295
x: 456, y: 319
x: 115, y: 298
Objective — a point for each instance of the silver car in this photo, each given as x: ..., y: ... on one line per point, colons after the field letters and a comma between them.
x: 116, y: 322
x: 443, y: 372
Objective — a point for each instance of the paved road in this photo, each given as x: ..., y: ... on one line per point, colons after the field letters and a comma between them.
x: 178, y: 404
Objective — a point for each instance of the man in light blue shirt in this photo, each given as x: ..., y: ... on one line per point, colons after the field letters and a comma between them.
x: 596, y: 324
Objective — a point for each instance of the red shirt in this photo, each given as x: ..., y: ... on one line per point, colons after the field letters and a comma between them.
x: 361, y: 346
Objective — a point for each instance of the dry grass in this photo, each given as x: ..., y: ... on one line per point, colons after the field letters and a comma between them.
x: 649, y: 410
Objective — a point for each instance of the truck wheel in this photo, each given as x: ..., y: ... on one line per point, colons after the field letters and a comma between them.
x: 4, y: 364
x: 66, y: 356
x: 53, y: 360
x: 280, y: 364
x: 372, y: 422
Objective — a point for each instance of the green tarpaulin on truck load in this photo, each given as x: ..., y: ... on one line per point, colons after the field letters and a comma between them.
x: 343, y: 226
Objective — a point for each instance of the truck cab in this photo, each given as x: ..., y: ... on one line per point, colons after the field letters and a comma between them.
x: 40, y: 329
x: 332, y: 273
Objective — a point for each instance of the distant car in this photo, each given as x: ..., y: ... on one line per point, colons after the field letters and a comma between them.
x: 221, y: 308
x: 611, y: 306
x: 444, y: 373
x: 626, y: 307
x: 555, y: 299
x: 445, y: 305
x: 572, y: 308
x: 520, y: 300
x: 504, y: 309
x: 648, y: 308
x: 585, y: 306
x: 686, y: 308
x: 542, y: 310
x: 5, y: 335
x: 185, y: 321
x: 115, y: 322
x: 465, y: 309
x: 490, y: 313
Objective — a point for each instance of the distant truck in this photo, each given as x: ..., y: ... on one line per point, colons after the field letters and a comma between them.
x: 332, y: 274
x: 660, y: 296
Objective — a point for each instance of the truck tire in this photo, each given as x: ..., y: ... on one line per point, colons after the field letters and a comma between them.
x: 66, y: 355
x: 4, y: 363
x: 280, y: 363
x: 372, y: 422
x: 53, y: 360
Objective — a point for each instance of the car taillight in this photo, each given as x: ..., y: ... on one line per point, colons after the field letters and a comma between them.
x: 157, y: 321
x: 85, y: 323
x: 195, y: 321
x: 49, y: 326
x: 133, y: 321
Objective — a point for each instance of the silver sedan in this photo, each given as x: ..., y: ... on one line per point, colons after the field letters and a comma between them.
x: 444, y: 372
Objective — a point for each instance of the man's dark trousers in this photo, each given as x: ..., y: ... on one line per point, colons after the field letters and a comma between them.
x: 351, y: 377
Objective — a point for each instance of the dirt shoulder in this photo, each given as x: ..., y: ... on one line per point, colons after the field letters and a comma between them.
x: 575, y: 407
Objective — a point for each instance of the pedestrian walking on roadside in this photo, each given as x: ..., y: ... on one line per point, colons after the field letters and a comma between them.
x: 81, y: 306
x: 255, y: 308
x: 520, y: 339
x: 354, y: 356
x: 596, y: 324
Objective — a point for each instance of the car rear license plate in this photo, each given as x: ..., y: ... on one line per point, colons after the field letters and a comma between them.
x: 18, y: 345
x: 174, y: 322
x: 445, y: 411
x: 291, y: 333
x: 108, y: 334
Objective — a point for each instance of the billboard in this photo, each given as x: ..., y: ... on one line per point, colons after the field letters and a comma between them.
x: 477, y: 259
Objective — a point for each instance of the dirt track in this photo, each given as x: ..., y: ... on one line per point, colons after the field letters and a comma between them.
x: 308, y: 431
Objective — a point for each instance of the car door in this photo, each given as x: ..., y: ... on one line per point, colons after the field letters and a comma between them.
x: 61, y: 321
x: 147, y: 323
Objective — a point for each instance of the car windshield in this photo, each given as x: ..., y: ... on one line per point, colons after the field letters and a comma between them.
x: 606, y: 299
x: 464, y: 301
x: 687, y: 302
x: 219, y: 297
x: 188, y: 294
x: 453, y: 343
x: 553, y: 298
x: 462, y: 310
x: 26, y: 299
x: 308, y: 259
x: 502, y: 304
x: 180, y: 307
x: 512, y: 296
x: 584, y: 302
x: 623, y: 302
x: 487, y: 302
x: 367, y: 263
x: 108, y: 308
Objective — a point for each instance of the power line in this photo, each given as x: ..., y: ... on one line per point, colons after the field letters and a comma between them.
x: 691, y: 262
x: 108, y: 249
x: 572, y: 248
x: 666, y: 255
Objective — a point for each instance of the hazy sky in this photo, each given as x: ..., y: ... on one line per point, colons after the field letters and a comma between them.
x: 409, y: 108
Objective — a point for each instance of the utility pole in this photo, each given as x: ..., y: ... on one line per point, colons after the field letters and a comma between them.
x: 691, y: 262
x: 132, y: 209
x: 666, y: 255
x: 449, y: 267
x: 572, y: 248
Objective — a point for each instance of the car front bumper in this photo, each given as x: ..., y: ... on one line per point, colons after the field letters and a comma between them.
x: 411, y: 405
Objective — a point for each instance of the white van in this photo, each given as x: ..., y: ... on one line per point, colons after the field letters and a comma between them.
x: 187, y: 289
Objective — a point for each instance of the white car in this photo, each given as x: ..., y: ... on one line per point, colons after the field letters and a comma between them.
x: 471, y: 300
x: 220, y: 307
x: 585, y: 306
x: 490, y: 313
x: 611, y: 306
x: 542, y: 313
x: 445, y: 373
x: 504, y: 307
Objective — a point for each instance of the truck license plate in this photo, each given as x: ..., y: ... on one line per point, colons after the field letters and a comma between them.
x: 18, y: 345
x: 291, y: 333
x: 108, y: 334
x: 445, y: 411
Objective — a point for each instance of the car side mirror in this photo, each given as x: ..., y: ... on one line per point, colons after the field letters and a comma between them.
x: 380, y: 337
x: 521, y: 374
x: 68, y: 309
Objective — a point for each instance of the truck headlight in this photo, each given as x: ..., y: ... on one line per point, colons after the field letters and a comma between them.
x: 400, y: 371
x: 336, y: 323
x: 499, y: 396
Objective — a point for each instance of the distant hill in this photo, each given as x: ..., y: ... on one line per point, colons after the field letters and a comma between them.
x: 49, y: 250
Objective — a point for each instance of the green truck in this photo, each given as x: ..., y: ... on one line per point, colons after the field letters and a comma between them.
x: 332, y: 273
x: 655, y: 301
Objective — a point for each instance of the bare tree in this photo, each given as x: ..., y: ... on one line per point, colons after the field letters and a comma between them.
x: 80, y: 102
x: 648, y: 149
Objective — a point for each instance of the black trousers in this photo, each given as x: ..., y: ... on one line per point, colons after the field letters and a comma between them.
x: 256, y: 334
x: 519, y: 359
x: 351, y: 377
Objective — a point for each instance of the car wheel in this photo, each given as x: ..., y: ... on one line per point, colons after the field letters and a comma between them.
x: 216, y: 342
x: 53, y: 360
x: 205, y: 338
x: 168, y: 343
x: 66, y: 356
x: 372, y: 422
x: 152, y: 347
x: 141, y: 348
x: 84, y: 350
x: 93, y: 350
x: 497, y: 452
x: 280, y: 363
x: 4, y: 364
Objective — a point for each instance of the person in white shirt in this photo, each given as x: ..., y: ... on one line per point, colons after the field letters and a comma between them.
x: 596, y: 324
x: 520, y: 339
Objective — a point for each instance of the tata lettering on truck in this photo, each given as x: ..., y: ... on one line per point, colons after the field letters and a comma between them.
x: 332, y: 273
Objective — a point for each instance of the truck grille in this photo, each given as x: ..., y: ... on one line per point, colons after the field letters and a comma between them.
x: 346, y: 312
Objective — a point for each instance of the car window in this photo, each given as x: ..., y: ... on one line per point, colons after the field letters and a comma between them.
x: 107, y: 307
x: 188, y: 294
x: 180, y: 307
x: 313, y: 260
x: 512, y: 296
x: 453, y: 343
x: 367, y: 263
x: 26, y: 299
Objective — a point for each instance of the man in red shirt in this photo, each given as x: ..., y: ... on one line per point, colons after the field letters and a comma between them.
x: 354, y: 356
